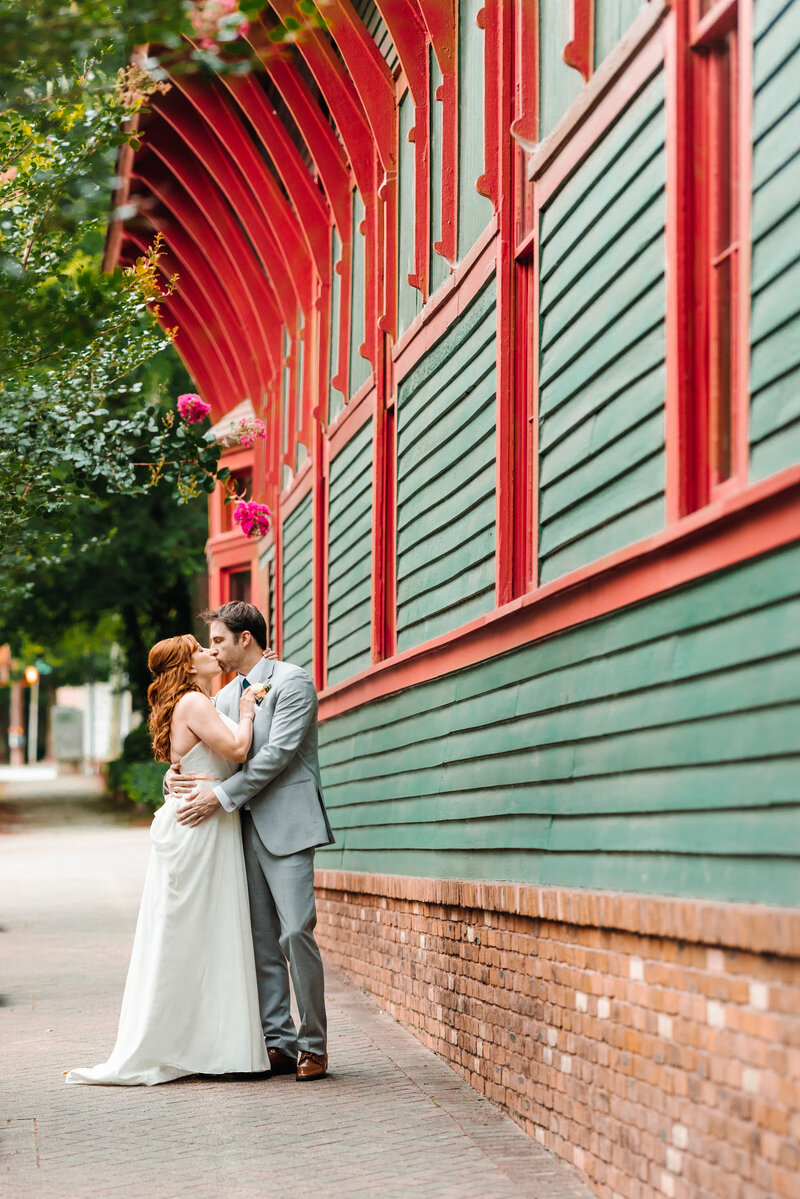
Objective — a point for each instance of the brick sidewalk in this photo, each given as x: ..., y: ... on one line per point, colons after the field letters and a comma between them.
x: 392, y: 1121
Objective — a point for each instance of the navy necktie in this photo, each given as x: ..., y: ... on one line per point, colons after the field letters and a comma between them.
x: 245, y: 685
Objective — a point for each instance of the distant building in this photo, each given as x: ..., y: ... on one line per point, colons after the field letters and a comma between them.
x: 516, y: 290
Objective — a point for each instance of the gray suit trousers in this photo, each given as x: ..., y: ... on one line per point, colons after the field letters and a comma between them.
x: 283, y: 914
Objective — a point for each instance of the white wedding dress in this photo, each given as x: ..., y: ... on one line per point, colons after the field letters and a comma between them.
x: 191, y: 1003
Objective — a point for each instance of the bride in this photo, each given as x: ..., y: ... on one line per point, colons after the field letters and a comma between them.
x: 190, y: 1004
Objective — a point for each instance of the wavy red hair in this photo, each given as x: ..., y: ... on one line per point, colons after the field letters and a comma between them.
x: 171, y: 663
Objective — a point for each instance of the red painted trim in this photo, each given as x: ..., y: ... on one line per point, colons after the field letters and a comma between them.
x: 356, y: 414
x: 500, y: 177
x: 764, y: 517
x: 525, y: 127
x: 741, y: 412
x: 451, y: 298
x: 221, y: 168
x: 384, y: 509
x: 679, y: 240
x: 319, y: 563
x: 494, y: 19
x: 579, y: 50
x: 207, y: 328
x: 440, y: 19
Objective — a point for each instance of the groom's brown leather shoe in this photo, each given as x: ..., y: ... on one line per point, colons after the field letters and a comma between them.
x: 280, y: 1062
x: 311, y: 1066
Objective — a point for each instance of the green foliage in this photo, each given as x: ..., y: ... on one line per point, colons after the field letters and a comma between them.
x: 134, y: 775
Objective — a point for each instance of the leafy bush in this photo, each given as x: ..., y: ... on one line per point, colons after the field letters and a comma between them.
x: 134, y: 776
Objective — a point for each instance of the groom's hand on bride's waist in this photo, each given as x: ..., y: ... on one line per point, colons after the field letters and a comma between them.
x: 197, y: 807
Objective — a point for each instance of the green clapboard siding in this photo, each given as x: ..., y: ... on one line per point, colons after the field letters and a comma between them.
x: 359, y: 367
x: 602, y: 345
x: 656, y: 749
x: 439, y: 268
x: 446, y: 479
x: 297, y: 592
x: 474, y: 210
x: 612, y: 18
x: 335, y: 398
x: 409, y: 299
x: 559, y: 84
x: 775, y: 298
x: 350, y: 558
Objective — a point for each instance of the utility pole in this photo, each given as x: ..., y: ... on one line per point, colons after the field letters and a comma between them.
x: 32, y: 677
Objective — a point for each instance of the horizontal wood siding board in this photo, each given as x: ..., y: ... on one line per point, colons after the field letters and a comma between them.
x: 639, y: 128
x: 769, y: 831
x: 606, y: 426
x: 638, y: 522
x: 610, y: 266
x: 708, y: 787
x: 476, y: 493
x: 602, y: 311
x: 613, y: 383
x: 446, y: 478
x: 775, y: 276
x: 691, y: 617
x: 350, y: 557
x: 611, y: 20
x: 666, y: 735
x: 706, y: 698
x: 744, y: 881
x: 450, y: 614
x: 597, y: 322
x: 297, y: 585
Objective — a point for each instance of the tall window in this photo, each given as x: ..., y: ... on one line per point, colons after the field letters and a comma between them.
x: 714, y: 132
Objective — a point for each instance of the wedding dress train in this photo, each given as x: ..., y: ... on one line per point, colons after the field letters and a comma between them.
x: 191, y: 1003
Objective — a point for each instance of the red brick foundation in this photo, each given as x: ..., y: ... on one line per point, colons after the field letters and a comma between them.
x: 652, y: 1043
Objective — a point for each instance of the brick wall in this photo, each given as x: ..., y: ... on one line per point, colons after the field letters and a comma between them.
x: 652, y: 1043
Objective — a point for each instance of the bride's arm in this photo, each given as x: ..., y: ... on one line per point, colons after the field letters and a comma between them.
x: 202, y: 718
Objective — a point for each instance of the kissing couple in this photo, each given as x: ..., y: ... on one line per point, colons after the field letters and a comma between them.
x: 228, y: 905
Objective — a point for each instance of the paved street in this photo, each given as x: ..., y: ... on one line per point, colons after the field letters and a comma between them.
x: 392, y: 1121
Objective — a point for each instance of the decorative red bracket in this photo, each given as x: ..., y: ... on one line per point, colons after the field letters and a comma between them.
x: 579, y: 51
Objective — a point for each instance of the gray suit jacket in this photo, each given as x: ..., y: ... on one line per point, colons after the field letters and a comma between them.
x: 280, y: 781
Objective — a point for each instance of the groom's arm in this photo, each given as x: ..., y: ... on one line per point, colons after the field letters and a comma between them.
x: 295, y: 708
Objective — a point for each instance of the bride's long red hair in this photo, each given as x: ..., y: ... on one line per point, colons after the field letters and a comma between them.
x: 171, y: 663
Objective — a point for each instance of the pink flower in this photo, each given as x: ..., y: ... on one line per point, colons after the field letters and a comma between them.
x: 7, y: 176
x: 249, y: 430
x: 192, y: 408
x: 252, y: 517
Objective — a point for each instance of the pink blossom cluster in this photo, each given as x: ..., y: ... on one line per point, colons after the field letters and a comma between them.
x: 249, y: 430
x: 207, y: 17
x: 192, y: 408
x: 252, y: 517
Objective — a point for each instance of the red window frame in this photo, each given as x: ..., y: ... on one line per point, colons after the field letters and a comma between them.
x: 707, y: 440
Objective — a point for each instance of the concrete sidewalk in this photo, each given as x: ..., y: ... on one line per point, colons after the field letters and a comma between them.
x: 392, y: 1120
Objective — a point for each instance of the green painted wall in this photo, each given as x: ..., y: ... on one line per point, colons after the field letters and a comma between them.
x: 335, y: 397
x: 409, y: 299
x: 654, y: 750
x: 775, y: 312
x: 612, y: 18
x: 602, y: 351
x: 559, y: 84
x: 446, y: 478
x: 360, y: 369
x: 350, y: 558
x: 297, y: 599
x: 474, y: 210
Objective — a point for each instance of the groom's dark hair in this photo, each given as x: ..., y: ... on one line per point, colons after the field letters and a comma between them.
x: 240, y: 617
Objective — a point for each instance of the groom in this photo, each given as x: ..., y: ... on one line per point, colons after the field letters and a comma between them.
x: 279, y: 795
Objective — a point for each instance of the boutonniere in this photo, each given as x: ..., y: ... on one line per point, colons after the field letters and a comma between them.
x: 260, y: 690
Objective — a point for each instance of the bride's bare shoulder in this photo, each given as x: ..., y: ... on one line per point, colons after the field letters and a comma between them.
x: 193, y: 703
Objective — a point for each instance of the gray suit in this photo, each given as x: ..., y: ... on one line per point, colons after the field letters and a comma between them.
x: 279, y: 793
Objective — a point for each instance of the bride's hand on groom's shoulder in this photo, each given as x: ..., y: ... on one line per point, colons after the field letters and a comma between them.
x: 269, y: 652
